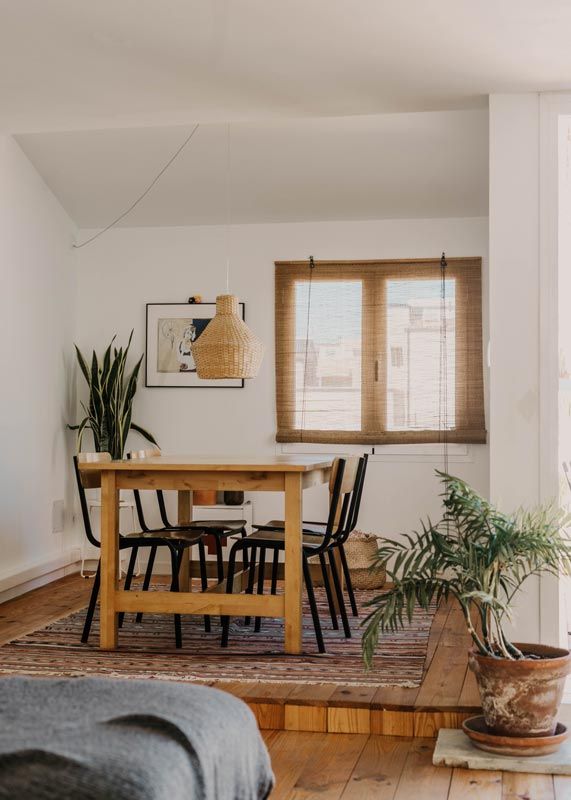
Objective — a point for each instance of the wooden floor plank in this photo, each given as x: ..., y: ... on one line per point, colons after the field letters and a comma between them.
x: 475, y: 785
x: 419, y: 778
x: 289, y: 752
x: 260, y: 692
x: 527, y: 786
x: 438, y: 624
x: 378, y: 770
x: 311, y: 694
x: 469, y: 696
x: 395, y: 697
x: 352, y: 696
x: 326, y: 773
x: 562, y: 787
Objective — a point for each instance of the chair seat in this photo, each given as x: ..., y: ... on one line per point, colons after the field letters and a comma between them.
x: 218, y: 525
x: 317, y: 528
x: 276, y: 538
x: 160, y: 536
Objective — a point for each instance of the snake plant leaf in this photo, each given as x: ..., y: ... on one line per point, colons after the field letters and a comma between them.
x: 107, y: 357
x: 145, y: 433
x: 80, y: 429
x: 82, y: 364
x: 108, y: 413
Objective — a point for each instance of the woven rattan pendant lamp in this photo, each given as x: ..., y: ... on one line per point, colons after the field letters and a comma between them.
x: 227, y: 348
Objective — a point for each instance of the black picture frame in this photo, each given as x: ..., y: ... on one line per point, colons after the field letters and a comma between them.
x: 160, y: 330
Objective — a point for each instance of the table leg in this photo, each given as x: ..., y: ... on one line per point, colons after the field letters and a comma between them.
x: 293, y: 564
x: 184, y: 517
x: 109, y: 559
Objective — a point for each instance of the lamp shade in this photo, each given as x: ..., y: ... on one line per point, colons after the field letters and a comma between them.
x: 227, y: 348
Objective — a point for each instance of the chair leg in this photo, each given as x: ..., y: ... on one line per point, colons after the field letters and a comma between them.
x: 275, y: 567
x: 148, y: 576
x: 175, y: 561
x: 261, y: 577
x: 339, y: 593
x: 92, y: 604
x: 129, y: 579
x: 348, y: 582
x: 328, y: 592
x: 313, y: 605
x: 219, y: 558
x: 252, y: 567
x: 229, y: 587
x: 243, y: 534
x: 203, y: 578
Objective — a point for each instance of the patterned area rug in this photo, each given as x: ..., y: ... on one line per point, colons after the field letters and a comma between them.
x: 147, y: 650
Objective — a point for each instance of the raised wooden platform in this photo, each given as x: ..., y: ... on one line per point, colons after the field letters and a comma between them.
x: 448, y: 693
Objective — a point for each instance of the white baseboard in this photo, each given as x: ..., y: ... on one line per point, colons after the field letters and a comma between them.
x: 17, y: 582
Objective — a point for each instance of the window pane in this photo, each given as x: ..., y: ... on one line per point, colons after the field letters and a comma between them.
x: 415, y: 377
x: 330, y: 396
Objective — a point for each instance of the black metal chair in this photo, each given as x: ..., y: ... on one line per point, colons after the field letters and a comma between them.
x: 220, y: 530
x: 319, y: 529
x: 342, y: 489
x: 175, y: 541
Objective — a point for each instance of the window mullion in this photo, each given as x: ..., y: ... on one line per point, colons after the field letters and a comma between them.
x: 373, y: 375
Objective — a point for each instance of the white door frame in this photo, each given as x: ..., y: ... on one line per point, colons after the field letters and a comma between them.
x: 552, y: 106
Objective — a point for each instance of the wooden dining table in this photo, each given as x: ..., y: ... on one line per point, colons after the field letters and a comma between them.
x: 287, y: 474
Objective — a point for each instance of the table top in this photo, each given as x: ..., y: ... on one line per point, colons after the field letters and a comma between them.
x: 215, y: 463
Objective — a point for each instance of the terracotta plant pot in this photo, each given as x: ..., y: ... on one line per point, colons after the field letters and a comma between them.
x: 204, y: 497
x: 522, y: 698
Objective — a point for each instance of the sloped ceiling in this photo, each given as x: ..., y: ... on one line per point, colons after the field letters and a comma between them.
x: 431, y: 164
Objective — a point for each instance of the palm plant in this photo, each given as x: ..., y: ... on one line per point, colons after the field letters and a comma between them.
x: 111, y: 393
x: 475, y: 554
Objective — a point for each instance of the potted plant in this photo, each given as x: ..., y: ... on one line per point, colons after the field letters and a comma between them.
x: 481, y: 558
x: 111, y: 392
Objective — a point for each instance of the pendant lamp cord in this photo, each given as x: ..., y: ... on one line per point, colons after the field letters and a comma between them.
x: 227, y: 204
x: 141, y: 196
x: 443, y: 378
x: 311, y: 270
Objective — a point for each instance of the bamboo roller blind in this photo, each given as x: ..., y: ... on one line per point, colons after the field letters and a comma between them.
x: 375, y: 370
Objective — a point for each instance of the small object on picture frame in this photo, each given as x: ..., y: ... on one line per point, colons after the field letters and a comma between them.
x: 171, y: 330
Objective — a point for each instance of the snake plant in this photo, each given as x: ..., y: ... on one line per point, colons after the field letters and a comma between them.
x: 111, y: 393
x: 475, y: 554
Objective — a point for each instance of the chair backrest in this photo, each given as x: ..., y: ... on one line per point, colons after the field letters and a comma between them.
x: 350, y: 519
x: 150, y: 452
x: 343, y: 482
x: 88, y: 481
x: 356, y: 500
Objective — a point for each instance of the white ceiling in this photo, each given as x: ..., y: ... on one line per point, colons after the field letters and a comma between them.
x: 81, y: 64
x: 432, y: 164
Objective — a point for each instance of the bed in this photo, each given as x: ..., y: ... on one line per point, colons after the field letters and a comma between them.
x: 142, y: 740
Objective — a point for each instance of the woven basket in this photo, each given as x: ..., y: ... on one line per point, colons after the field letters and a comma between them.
x: 227, y: 348
x: 361, y: 549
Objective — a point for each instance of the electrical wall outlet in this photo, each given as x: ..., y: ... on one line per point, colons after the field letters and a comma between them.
x: 58, y: 509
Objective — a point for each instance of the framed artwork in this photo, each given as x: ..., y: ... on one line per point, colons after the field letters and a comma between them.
x: 171, y: 329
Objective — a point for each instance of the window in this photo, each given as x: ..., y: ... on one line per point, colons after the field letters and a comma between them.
x: 361, y: 358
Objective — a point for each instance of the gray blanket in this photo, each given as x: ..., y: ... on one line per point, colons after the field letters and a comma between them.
x: 142, y: 740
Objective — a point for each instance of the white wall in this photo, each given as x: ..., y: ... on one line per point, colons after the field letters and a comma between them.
x: 127, y: 268
x: 37, y: 316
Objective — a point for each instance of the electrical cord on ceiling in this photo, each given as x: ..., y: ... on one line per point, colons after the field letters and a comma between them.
x: 144, y: 194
